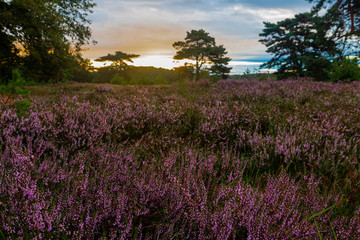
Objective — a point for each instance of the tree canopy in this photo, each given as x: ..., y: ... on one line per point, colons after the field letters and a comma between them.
x: 43, y: 37
x: 349, y: 9
x: 297, y: 42
x: 119, y: 63
x: 200, y: 47
x: 309, y: 43
x: 118, y: 59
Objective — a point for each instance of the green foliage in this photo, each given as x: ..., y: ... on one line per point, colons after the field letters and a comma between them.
x: 15, y: 85
x: 118, y: 80
x: 185, y: 72
x: 136, y: 75
x: 220, y: 62
x: 144, y: 81
x: 22, y: 108
x: 46, y: 32
x: 8, y: 52
x: 265, y: 76
x: 200, y: 47
x: 151, y: 75
x: 182, y: 88
x: 204, y: 74
x: 310, y: 43
x: 317, y: 68
x: 104, y: 74
x: 345, y: 70
x: 297, y: 43
x: 83, y: 70
x: 215, y: 78
x: 133, y: 81
x: 160, y: 80
x: 16, y: 77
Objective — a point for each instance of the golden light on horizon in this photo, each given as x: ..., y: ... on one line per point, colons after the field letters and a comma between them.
x: 158, y: 61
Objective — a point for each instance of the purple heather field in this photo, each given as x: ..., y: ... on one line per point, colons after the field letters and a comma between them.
x: 238, y: 159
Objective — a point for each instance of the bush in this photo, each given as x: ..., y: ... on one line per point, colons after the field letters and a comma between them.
x: 204, y: 74
x: 118, y: 80
x: 215, y: 78
x: 317, y: 68
x: 133, y: 81
x: 345, y: 70
x: 22, y: 108
x: 160, y: 80
x: 15, y: 85
x: 144, y: 81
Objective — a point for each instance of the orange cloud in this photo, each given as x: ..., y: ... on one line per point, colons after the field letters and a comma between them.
x: 143, y: 39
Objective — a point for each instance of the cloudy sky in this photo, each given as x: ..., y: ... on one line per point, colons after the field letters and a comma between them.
x: 150, y: 27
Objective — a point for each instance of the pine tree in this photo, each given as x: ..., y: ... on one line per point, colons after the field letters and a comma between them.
x: 200, y: 47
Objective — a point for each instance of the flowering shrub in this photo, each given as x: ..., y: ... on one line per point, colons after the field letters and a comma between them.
x: 240, y: 160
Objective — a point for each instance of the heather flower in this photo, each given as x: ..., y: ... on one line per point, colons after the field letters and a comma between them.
x: 242, y: 160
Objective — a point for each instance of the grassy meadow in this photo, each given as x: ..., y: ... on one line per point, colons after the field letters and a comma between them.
x: 238, y: 159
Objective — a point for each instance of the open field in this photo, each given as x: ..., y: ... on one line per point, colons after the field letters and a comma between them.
x: 240, y: 159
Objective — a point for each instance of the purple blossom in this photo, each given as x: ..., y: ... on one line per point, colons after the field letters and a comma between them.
x: 249, y: 160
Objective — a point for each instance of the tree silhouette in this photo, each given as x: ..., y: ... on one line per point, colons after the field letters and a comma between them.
x: 220, y: 62
x: 301, y: 45
x: 118, y: 60
x: 200, y: 47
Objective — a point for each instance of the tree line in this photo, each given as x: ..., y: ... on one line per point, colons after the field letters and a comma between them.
x: 199, y: 47
x: 44, y: 39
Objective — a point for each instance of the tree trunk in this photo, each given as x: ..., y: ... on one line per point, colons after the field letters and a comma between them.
x: 197, y: 70
x: 351, y: 16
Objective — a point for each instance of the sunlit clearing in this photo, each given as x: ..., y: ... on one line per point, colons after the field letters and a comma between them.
x: 158, y: 61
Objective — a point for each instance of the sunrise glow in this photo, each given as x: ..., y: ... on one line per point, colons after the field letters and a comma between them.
x: 159, y: 61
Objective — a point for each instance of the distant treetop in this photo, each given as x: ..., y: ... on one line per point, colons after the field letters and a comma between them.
x: 118, y: 60
x: 119, y: 57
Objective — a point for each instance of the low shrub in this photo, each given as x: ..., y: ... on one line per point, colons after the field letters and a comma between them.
x: 345, y: 70
x: 118, y: 80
